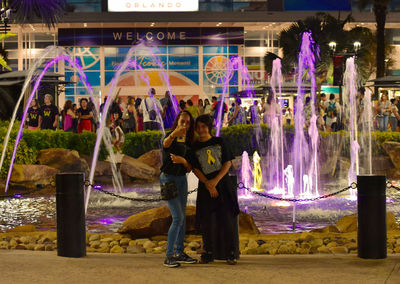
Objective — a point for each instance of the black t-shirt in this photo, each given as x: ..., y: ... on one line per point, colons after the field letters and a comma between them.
x: 33, y: 117
x: 209, y: 156
x: 48, y: 114
x: 179, y: 149
x: 86, y: 111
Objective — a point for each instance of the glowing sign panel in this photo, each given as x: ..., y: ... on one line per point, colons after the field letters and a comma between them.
x: 153, y: 5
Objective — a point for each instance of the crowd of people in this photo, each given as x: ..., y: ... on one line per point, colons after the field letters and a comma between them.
x: 151, y: 113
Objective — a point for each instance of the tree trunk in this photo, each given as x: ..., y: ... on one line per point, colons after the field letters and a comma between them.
x: 380, y: 11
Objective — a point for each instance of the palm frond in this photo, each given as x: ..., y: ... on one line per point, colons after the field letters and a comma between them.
x: 49, y: 11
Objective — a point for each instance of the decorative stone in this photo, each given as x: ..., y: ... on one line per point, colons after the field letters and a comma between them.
x: 148, y: 244
x: 114, y: 243
x: 49, y: 247
x: 136, y: 169
x: 117, y: 249
x: 63, y: 159
x: 155, y: 222
x: 23, y: 228
x: 332, y: 244
x: 153, y: 159
x: 124, y: 241
x: 349, y: 223
x: 194, y: 245
x: 134, y: 249
x: 252, y: 244
x: 393, y: 150
x: 246, y: 224
x: 396, y: 249
x: 106, y: 240
x: 340, y: 249
x: 316, y: 243
x: 323, y: 249
x: 4, y: 245
x: 31, y: 175
x: 20, y: 246
x: 104, y: 249
x: 94, y: 237
x: 39, y: 247
x: 95, y: 244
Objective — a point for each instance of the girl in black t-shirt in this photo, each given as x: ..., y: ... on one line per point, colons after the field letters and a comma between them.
x: 176, y: 153
x: 33, y: 115
x: 216, y: 196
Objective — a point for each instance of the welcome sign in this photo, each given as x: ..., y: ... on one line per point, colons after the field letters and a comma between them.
x: 153, y: 5
x: 152, y: 36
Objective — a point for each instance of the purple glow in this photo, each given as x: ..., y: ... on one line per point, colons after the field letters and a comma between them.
x: 97, y: 187
x: 107, y: 221
x: 303, y: 165
x: 28, y: 103
x: 17, y: 195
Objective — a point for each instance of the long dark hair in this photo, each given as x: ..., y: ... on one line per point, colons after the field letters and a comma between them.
x: 190, y: 132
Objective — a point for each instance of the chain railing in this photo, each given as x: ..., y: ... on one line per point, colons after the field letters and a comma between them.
x: 239, y: 186
x: 353, y: 186
x: 390, y: 185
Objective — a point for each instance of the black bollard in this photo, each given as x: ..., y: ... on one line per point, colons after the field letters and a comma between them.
x: 371, y: 205
x: 71, y: 230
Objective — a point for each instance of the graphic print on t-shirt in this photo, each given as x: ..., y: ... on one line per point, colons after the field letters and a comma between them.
x: 210, y: 158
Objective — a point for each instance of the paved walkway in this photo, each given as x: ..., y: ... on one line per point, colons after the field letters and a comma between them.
x: 46, y: 267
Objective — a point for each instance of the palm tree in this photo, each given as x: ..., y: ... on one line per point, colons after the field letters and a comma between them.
x: 25, y: 11
x: 380, y: 8
x: 326, y: 28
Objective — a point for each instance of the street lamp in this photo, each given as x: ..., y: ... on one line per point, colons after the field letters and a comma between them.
x: 332, y: 46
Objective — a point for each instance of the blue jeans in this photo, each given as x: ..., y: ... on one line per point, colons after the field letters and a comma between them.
x: 394, y: 122
x: 177, y: 206
x: 383, y: 122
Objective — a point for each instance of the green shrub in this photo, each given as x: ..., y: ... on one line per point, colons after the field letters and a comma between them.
x: 25, y: 155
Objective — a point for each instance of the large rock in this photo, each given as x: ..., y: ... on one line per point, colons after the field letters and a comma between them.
x: 330, y: 148
x: 348, y: 224
x: 63, y: 159
x: 31, y: 175
x: 153, y: 159
x: 393, y: 150
x: 103, y: 168
x: 137, y: 169
x: 157, y: 221
x: 246, y: 224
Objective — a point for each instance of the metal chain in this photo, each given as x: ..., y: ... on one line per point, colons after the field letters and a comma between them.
x: 131, y: 198
x: 390, y: 185
x: 353, y: 185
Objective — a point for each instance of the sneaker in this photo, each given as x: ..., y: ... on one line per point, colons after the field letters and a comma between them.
x: 231, y: 260
x: 170, y: 261
x: 184, y: 258
x: 206, y: 258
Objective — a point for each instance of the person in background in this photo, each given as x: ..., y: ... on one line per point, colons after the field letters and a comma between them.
x: 215, y: 110
x: 68, y: 117
x: 48, y: 115
x: 322, y: 106
x: 182, y: 105
x: 200, y: 107
x: 176, y: 154
x: 192, y: 109
x: 383, y: 110
x: 331, y: 110
x: 216, y: 195
x: 117, y: 132
x: 140, y: 122
x: 394, y: 116
x: 94, y: 119
x: 32, y: 119
x: 254, y: 114
x: 168, y: 113
x: 152, y: 110
x: 75, y: 120
x: 238, y: 115
x: 130, y: 116
x: 85, y: 116
x: 207, y: 106
x: 360, y: 104
x: 288, y: 116
x: 165, y: 99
